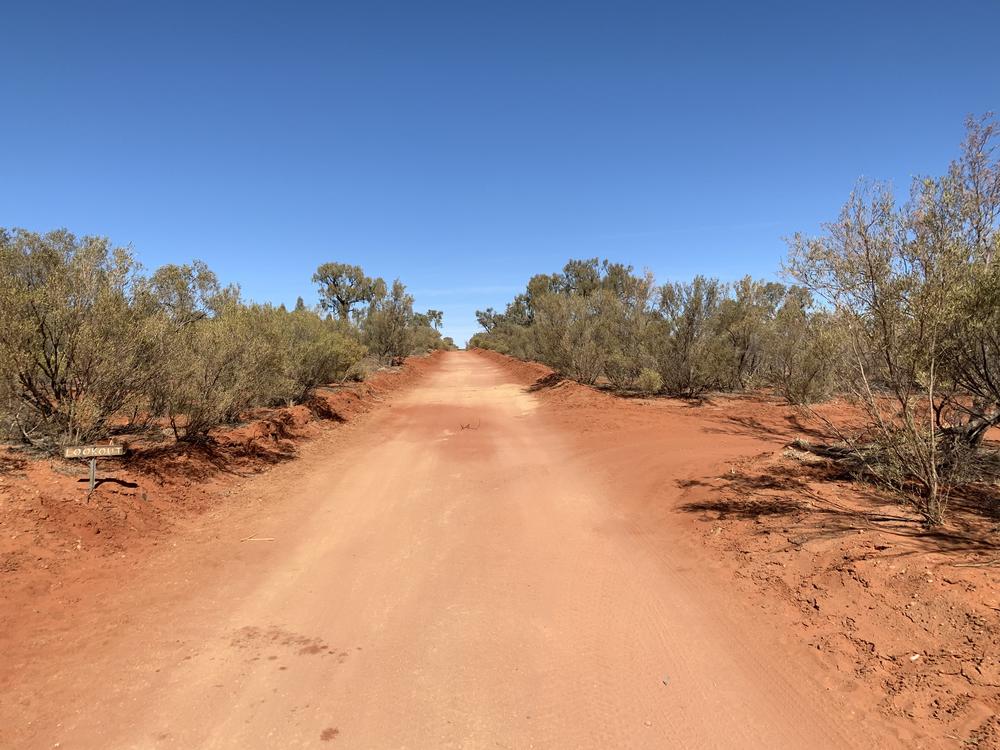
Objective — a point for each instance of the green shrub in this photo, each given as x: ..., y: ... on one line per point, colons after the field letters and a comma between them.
x: 88, y: 345
x: 220, y: 367
x: 806, y: 349
x: 314, y: 351
x: 78, y: 344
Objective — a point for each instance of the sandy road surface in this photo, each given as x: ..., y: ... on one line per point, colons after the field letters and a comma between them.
x: 454, y: 577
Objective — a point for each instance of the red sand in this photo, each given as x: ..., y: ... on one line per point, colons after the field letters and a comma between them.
x: 913, y: 615
x: 491, y: 556
x: 53, y: 536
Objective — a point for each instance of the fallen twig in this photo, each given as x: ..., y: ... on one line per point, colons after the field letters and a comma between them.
x: 987, y: 564
x: 255, y: 538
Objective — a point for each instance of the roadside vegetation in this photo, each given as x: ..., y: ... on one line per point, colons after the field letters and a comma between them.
x: 90, y: 346
x: 600, y: 320
x: 895, y: 306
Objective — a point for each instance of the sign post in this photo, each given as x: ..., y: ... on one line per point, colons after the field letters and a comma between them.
x: 93, y: 452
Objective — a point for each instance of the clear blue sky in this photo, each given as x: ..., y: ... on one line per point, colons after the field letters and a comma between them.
x: 465, y: 146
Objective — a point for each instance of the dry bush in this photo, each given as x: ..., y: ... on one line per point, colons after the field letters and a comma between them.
x: 746, y: 319
x: 425, y: 338
x: 649, y: 381
x: 389, y: 327
x: 363, y: 369
x: 623, y: 323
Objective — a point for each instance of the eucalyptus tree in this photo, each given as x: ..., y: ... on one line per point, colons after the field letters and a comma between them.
x: 343, y: 287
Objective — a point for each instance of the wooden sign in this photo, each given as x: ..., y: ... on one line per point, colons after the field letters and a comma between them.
x: 94, y: 451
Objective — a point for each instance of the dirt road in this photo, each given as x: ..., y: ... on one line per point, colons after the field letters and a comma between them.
x: 454, y: 576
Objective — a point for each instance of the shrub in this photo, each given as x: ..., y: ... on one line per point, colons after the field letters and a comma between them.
x: 649, y: 381
x: 220, y: 367
x: 387, y: 327
x: 89, y: 345
x: 745, y: 318
x: 805, y: 348
x: 314, y: 351
x: 77, y: 347
x: 565, y: 336
x: 690, y: 352
x: 424, y: 338
x: 363, y: 369
x: 245, y: 356
x: 621, y: 371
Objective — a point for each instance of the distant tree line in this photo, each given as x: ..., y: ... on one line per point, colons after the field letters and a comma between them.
x: 601, y: 320
x: 91, y: 346
x: 895, y: 305
x: 382, y: 316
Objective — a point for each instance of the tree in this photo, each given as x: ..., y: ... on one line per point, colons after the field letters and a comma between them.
x: 436, y: 318
x: 565, y: 335
x: 804, y: 349
x: 581, y: 277
x: 488, y: 319
x: 745, y: 318
x: 914, y: 287
x: 387, y: 326
x: 687, y: 345
x: 343, y: 287
x: 961, y: 212
x: 623, y: 323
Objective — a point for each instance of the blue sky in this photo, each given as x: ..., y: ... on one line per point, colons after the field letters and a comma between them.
x: 465, y: 146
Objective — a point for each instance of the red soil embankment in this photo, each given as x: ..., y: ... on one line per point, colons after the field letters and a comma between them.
x: 911, y: 614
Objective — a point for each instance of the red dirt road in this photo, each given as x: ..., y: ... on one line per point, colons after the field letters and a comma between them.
x: 453, y: 574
